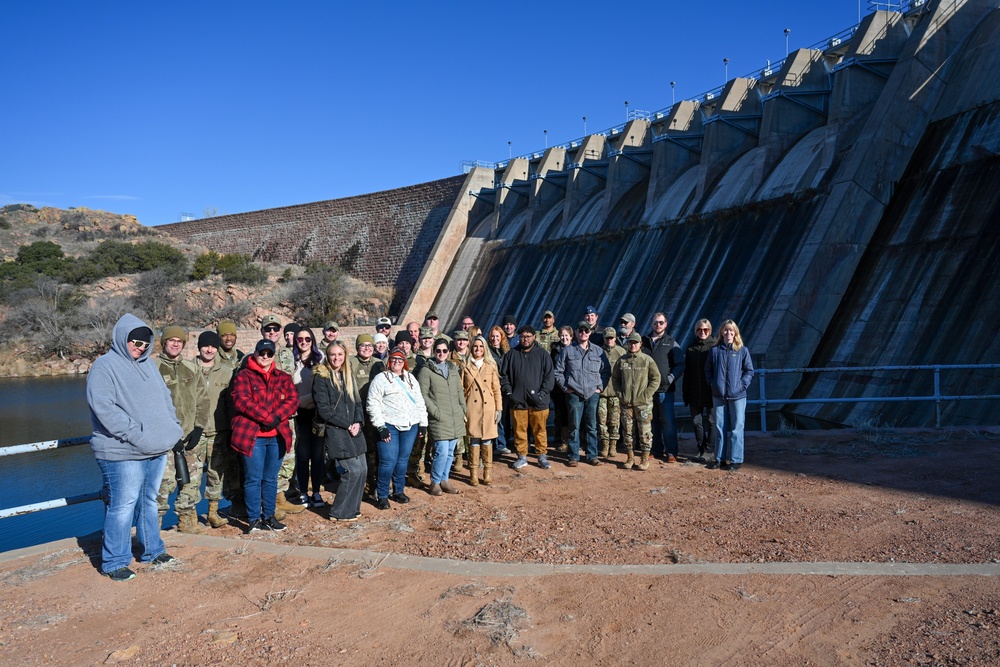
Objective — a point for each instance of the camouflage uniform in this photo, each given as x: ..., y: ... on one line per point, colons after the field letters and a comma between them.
x: 636, y: 378
x: 609, y: 411
x: 223, y: 472
x: 285, y: 360
x: 545, y: 338
x: 191, y: 402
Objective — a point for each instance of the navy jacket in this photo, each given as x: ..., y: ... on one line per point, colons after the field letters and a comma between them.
x: 669, y: 358
x: 729, y: 371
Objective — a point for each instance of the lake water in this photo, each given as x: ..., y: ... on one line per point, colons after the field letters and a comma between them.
x: 37, y: 409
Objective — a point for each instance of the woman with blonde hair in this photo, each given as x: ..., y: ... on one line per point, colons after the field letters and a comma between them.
x: 483, y: 400
x: 729, y: 371
x: 697, y: 392
x: 340, y: 416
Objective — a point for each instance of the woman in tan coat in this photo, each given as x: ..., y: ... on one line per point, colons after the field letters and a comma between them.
x: 481, y: 380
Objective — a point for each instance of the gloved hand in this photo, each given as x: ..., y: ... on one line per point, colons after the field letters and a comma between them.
x: 421, y: 431
x: 273, y: 424
x: 498, y: 416
x: 179, y: 447
x: 383, y: 434
x: 194, y: 437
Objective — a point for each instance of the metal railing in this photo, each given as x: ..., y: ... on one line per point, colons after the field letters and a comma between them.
x: 937, y: 397
x: 13, y: 450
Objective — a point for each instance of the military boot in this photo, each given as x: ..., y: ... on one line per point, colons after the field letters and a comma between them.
x: 282, y: 504
x: 604, y: 448
x: 474, y: 465
x: 628, y: 459
x: 214, y: 519
x: 612, y: 450
x: 644, y: 462
x: 487, y: 463
x: 457, y: 464
x: 160, y: 514
x: 187, y: 522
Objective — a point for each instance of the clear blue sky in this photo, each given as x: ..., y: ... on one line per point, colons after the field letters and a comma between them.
x: 158, y: 108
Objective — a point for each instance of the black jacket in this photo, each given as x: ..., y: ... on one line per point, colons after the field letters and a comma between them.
x: 338, y: 410
x: 669, y: 360
x: 697, y: 392
x: 526, y: 377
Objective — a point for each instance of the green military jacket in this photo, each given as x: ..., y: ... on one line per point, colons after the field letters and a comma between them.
x: 635, y: 378
x: 218, y: 381
x: 614, y: 354
x: 286, y: 360
x: 546, y: 338
x: 188, y: 391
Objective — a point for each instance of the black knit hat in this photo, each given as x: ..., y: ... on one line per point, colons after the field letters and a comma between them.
x: 209, y: 338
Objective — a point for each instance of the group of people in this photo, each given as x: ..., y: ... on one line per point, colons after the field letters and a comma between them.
x: 400, y: 408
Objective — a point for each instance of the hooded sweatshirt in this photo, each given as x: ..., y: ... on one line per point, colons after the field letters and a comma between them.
x: 130, y: 406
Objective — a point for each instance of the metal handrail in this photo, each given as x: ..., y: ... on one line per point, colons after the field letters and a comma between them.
x: 937, y: 397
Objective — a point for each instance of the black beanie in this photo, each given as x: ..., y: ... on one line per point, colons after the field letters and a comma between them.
x: 291, y: 326
x: 403, y: 335
x: 140, y: 333
x: 209, y: 338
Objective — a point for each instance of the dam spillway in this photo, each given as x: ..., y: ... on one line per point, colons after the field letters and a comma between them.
x: 841, y: 207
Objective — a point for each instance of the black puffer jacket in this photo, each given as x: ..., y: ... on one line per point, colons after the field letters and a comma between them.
x: 526, y: 377
x: 697, y: 392
x: 339, y: 410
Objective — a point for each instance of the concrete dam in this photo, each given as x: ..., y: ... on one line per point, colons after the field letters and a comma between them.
x: 841, y: 207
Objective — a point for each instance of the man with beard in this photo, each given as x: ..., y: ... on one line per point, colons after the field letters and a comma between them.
x: 526, y: 378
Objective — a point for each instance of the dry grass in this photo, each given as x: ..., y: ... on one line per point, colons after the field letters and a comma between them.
x: 501, y: 621
x: 46, y: 565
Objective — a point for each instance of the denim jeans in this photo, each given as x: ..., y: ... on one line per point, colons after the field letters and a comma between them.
x: 393, y: 457
x: 260, y: 482
x: 664, y: 424
x: 729, y: 420
x: 444, y: 454
x: 129, y: 495
x: 582, y: 416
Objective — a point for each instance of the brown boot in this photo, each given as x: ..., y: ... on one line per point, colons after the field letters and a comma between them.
x: 628, y: 459
x: 422, y: 473
x: 282, y: 504
x: 435, y: 490
x: 447, y: 487
x: 187, y: 522
x: 644, y: 462
x: 214, y: 520
x: 604, y: 448
x: 474, y: 465
x: 612, y: 450
x: 487, y: 450
x: 457, y: 465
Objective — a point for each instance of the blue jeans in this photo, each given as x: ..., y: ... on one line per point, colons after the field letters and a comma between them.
x: 393, y: 457
x: 582, y: 416
x: 664, y: 424
x: 501, y: 441
x: 444, y: 454
x: 260, y: 481
x: 129, y: 495
x: 729, y: 420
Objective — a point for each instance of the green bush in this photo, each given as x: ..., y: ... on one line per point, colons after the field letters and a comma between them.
x: 234, y: 268
x: 320, y: 294
x: 205, y: 265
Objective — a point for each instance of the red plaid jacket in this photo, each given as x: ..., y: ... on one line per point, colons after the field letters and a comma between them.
x: 258, y: 399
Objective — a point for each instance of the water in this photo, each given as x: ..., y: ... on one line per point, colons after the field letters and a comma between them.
x: 36, y: 409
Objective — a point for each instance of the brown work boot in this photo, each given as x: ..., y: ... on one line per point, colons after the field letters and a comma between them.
x: 282, y: 505
x: 457, y: 465
x: 187, y: 522
x: 629, y: 460
x: 435, y: 490
x: 447, y: 487
x: 612, y: 450
x: 644, y: 462
x: 604, y: 448
x: 487, y: 451
x: 474, y: 465
x: 214, y: 519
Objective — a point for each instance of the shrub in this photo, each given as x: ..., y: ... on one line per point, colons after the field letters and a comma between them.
x: 154, y: 293
x: 116, y: 258
x: 204, y: 265
x: 4, y: 222
x: 320, y: 294
x: 234, y: 268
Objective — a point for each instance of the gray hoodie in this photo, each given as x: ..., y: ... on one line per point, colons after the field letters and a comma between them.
x: 130, y: 405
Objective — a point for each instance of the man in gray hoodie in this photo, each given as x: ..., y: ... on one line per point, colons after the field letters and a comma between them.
x: 135, y: 426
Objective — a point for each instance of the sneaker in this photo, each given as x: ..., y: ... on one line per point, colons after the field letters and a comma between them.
x: 712, y: 465
x: 296, y: 498
x: 317, y: 501
x: 347, y: 520
x: 733, y: 467
x: 503, y: 452
x: 543, y: 462
x: 382, y: 503
x: 274, y: 524
x: 162, y: 558
x: 257, y: 526
x: 121, y: 574
x: 725, y: 465
x: 303, y: 500
x: 520, y: 463
x: 572, y: 463
x: 400, y: 498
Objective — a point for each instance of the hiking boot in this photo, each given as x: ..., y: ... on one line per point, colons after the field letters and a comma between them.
x: 187, y: 522
x: 282, y: 504
x: 572, y: 463
x: 605, y: 446
x: 643, y: 462
x: 121, y: 574
x: 382, y: 503
x: 215, y: 520
x: 629, y: 459
x: 671, y: 458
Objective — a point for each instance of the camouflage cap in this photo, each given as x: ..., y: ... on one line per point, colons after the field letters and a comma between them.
x: 610, y: 333
x: 426, y: 332
x: 460, y: 335
x: 331, y: 326
x: 269, y: 320
x: 634, y: 337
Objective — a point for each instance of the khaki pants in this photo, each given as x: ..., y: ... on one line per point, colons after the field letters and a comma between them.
x: 521, y: 420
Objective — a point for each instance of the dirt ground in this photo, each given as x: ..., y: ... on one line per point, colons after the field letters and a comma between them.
x: 878, y: 496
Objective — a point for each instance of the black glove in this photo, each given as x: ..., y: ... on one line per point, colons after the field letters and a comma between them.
x: 179, y: 447
x: 273, y: 424
x: 194, y: 437
x: 421, y: 431
x: 383, y: 433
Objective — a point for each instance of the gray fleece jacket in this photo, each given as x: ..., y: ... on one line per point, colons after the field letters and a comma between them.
x: 130, y: 405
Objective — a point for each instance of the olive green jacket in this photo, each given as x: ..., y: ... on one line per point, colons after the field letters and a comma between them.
x: 636, y: 379
x: 188, y: 392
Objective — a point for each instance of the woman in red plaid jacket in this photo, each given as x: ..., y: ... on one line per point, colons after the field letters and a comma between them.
x: 265, y: 398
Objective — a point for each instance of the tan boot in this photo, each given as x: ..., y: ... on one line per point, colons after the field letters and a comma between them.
x: 628, y: 459
x: 457, y: 465
x: 282, y: 505
x: 187, y: 522
x: 644, y: 462
x: 447, y: 487
x: 487, y: 450
x: 474, y: 465
x: 604, y: 448
x: 422, y: 473
x: 612, y: 450
x: 214, y: 520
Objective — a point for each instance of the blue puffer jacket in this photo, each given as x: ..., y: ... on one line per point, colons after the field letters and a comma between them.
x: 729, y: 371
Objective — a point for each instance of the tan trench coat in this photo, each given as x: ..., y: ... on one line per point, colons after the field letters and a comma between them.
x: 482, y: 399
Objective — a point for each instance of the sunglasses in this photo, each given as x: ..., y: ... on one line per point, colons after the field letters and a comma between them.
x: 583, y: 330
x: 443, y: 350
x: 304, y: 340
x: 271, y: 328
x: 265, y: 353
x: 383, y: 326
x: 141, y: 344
x: 704, y: 330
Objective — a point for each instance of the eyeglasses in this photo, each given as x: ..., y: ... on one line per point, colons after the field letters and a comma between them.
x: 265, y: 353
x: 365, y: 345
x: 272, y: 328
x: 442, y: 350
x: 396, y: 360
x: 467, y: 324
x: 141, y: 344
x: 703, y: 330
x: 304, y: 340
x: 659, y: 323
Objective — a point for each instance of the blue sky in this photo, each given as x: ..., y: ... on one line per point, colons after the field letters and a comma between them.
x: 159, y: 108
